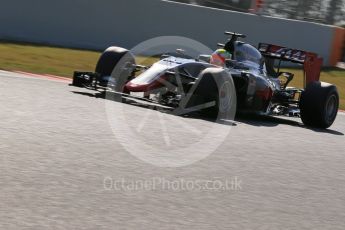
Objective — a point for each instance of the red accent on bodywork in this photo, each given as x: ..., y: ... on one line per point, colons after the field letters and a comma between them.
x: 312, y: 67
x: 265, y: 94
x: 132, y: 87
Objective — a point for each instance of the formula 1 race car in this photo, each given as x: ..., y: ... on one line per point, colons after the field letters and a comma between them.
x: 249, y: 82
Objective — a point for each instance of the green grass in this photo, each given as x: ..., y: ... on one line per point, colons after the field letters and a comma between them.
x: 49, y: 60
x: 62, y: 62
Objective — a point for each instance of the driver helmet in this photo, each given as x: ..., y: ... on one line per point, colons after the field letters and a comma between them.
x: 219, y: 57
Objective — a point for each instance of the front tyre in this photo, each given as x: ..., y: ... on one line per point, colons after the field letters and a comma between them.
x: 319, y: 105
x: 115, y: 65
x: 215, y: 86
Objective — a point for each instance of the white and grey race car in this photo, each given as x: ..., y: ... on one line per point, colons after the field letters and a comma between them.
x: 248, y: 83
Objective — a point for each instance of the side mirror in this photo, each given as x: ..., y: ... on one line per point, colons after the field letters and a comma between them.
x: 205, y: 58
x: 181, y: 51
x: 164, y: 56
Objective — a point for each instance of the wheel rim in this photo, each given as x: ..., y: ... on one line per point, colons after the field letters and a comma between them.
x: 331, y: 108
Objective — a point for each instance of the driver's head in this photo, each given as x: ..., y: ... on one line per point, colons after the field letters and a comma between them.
x: 219, y: 57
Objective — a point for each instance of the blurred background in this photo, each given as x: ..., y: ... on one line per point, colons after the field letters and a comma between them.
x: 330, y: 12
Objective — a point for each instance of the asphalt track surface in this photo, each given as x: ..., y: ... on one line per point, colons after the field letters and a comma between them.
x: 59, y: 158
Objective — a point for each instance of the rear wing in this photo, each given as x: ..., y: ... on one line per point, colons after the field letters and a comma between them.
x: 312, y: 63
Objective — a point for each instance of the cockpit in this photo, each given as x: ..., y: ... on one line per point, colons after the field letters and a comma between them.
x: 247, y: 57
x: 244, y: 52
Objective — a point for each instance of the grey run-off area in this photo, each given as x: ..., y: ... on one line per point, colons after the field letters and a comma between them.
x: 57, y: 149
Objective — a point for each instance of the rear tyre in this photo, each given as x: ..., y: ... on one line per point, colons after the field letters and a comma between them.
x: 319, y: 105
